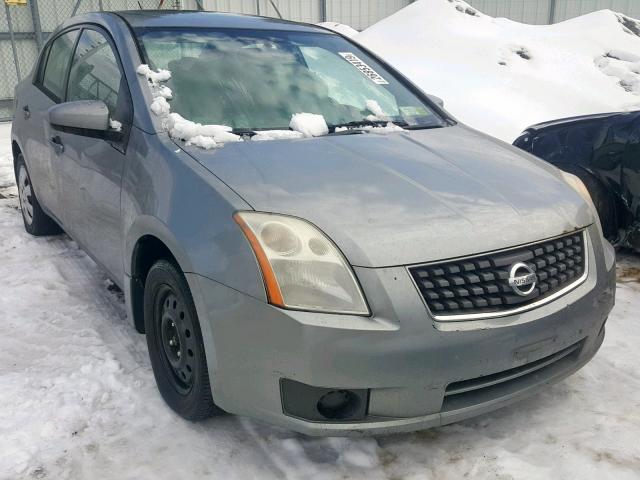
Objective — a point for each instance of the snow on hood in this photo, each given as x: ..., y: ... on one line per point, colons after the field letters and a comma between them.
x: 276, y: 135
x: 500, y: 76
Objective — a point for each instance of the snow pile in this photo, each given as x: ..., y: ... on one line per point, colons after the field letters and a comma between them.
x: 276, y: 135
x: 204, y: 136
x: 340, y: 28
x: 161, y: 93
x: 115, y: 125
x: 376, y: 110
x: 154, y: 78
x: 383, y: 129
x: 622, y: 65
x: 501, y: 76
x: 309, y: 124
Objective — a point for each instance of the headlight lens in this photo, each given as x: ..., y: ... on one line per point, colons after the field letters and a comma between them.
x: 302, y: 269
x: 578, y: 186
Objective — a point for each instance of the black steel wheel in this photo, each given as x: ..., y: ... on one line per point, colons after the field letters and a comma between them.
x: 176, y: 337
x: 176, y: 348
x: 36, y: 222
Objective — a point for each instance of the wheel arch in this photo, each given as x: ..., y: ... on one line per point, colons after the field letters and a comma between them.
x: 148, y: 241
x: 16, y: 150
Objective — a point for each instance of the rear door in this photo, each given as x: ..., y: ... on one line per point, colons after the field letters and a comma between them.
x: 92, y: 163
x: 36, y: 134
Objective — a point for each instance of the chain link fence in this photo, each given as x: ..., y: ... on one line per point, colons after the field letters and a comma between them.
x: 26, y: 25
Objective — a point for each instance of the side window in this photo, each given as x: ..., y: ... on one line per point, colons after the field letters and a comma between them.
x: 95, y: 75
x: 57, y: 65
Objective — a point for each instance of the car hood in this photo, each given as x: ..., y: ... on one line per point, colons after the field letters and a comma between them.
x: 404, y: 198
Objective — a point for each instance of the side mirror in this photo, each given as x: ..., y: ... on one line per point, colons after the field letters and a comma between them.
x: 84, y: 114
x: 437, y: 100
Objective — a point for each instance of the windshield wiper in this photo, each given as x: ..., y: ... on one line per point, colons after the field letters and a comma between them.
x: 366, y: 123
x: 244, y: 132
x: 423, y: 127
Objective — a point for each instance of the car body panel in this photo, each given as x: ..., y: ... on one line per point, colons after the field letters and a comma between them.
x: 403, y: 358
x: 90, y: 176
x: 157, y: 192
x: 193, y: 19
x: 35, y: 132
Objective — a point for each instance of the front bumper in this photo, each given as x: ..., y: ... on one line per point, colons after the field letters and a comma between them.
x: 401, y: 356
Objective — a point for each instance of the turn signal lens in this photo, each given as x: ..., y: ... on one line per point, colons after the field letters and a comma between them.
x: 302, y: 268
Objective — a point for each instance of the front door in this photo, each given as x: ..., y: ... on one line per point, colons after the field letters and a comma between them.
x: 92, y: 163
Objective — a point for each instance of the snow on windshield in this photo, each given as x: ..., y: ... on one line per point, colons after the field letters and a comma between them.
x: 212, y: 136
x: 204, y: 136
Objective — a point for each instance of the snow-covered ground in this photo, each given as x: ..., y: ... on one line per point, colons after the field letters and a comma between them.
x: 78, y: 399
x: 501, y: 76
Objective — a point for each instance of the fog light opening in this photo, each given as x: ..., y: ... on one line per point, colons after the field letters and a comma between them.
x: 338, y: 404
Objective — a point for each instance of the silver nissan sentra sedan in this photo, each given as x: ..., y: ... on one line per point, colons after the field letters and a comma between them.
x: 303, y: 235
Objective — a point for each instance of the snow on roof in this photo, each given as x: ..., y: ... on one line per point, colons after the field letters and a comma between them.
x: 501, y: 76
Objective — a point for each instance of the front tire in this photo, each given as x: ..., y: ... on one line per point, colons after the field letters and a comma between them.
x: 176, y: 348
x: 36, y: 222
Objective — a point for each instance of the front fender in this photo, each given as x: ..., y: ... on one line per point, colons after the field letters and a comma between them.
x: 169, y: 195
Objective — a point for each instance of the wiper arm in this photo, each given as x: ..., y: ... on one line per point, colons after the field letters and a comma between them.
x: 423, y: 127
x: 244, y: 132
x: 367, y: 123
x: 348, y: 131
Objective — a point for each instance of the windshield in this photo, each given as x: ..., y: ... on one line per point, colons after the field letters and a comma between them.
x: 257, y: 79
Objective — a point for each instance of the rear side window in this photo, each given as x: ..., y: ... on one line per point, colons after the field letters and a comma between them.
x: 53, y: 79
x: 95, y: 73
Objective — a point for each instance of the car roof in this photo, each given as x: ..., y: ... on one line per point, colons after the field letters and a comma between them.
x: 199, y: 19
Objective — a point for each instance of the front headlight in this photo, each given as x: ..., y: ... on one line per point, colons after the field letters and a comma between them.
x: 577, y: 184
x: 302, y: 269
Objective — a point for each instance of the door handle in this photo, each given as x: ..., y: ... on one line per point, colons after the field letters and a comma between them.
x: 57, y: 145
x: 26, y: 112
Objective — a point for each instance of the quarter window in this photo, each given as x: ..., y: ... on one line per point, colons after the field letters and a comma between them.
x: 57, y: 66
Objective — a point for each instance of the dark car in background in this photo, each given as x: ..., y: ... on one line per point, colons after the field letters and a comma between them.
x: 604, y: 152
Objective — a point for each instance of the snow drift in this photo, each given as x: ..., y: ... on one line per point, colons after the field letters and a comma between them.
x: 501, y: 76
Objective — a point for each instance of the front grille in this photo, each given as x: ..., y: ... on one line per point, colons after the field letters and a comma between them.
x: 478, y: 287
